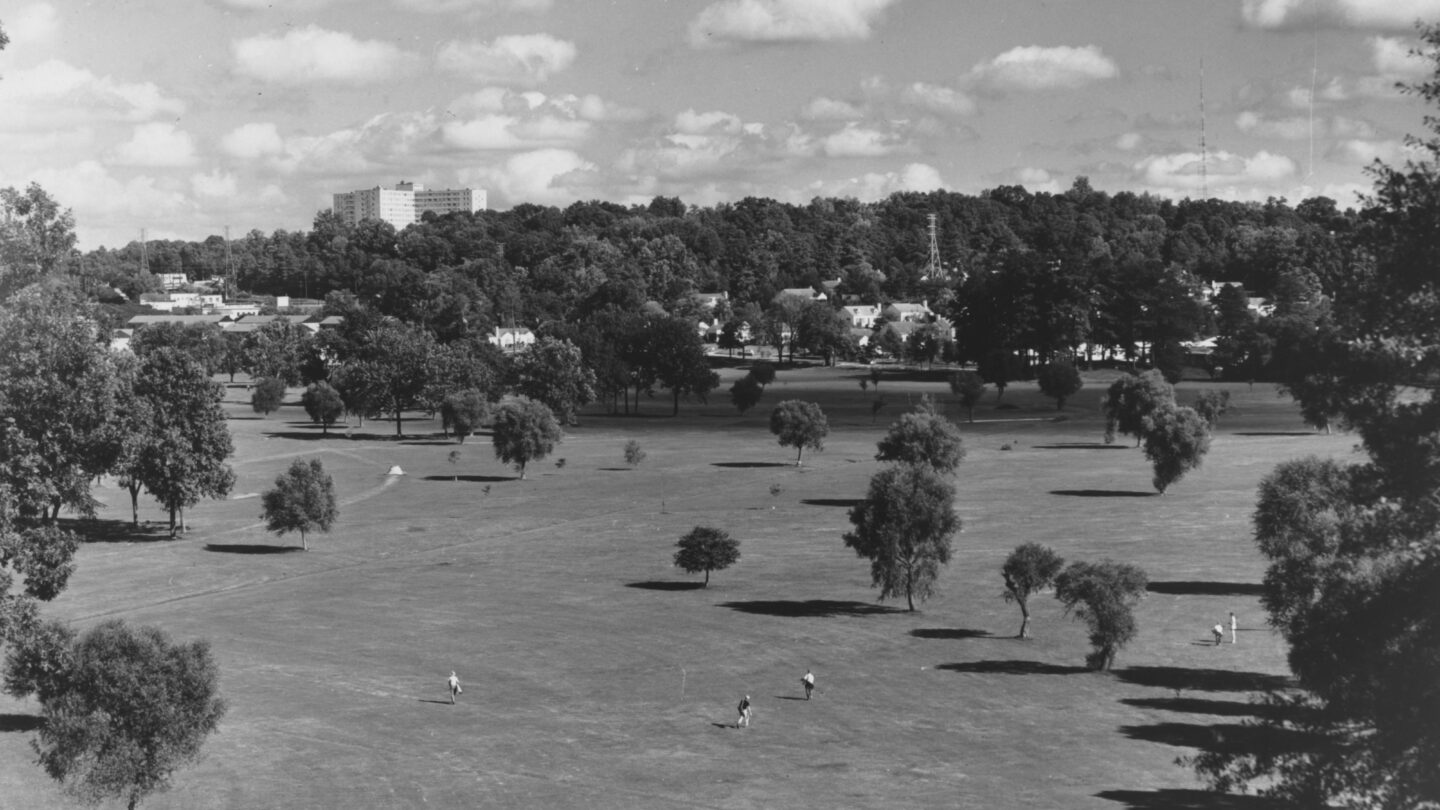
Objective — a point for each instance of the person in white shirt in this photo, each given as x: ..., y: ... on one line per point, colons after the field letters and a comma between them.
x: 809, y: 681
x: 454, y: 683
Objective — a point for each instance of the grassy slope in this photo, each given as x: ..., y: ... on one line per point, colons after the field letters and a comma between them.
x: 593, y: 678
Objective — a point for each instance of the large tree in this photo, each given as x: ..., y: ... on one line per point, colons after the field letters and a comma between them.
x: 524, y: 431
x: 134, y: 708
x: 968, y: 388
x: 675, y: 356
x: 554, y: 372
x: 1176, y: 440
x: 799, y: 425
x: 1103, y: 595
x: 302, y: 500
x: 1059, y: 380
x: 904, y: 526
x: 923, y: 436
x: 706, y: 549
x: 323, y: 403
x: 1029, y: 569
x: 36, y: 235
x: 1130, y: 399
x: 278, y: 349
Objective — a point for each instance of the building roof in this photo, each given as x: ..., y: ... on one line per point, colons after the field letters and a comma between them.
x: 141, y: 320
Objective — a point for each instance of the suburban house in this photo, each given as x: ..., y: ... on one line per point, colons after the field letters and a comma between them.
x: 909, y: 313
x: 861, y: 316
x: 512, y: 338
x: 806, y: 293
x: 709, y: 301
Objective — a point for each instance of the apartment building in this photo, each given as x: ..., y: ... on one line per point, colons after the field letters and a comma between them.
x: 405, y: 203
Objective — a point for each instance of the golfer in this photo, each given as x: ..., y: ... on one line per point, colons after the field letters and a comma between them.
x: 809, y: 681
x: 454, y: 683
x: 1234, y: 627
x: 1219, y: 632
x: 744, y: 709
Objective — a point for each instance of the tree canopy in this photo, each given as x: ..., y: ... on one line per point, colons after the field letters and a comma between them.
x: 923, y: 436
x: 1029, y: 569
x: 1103, y: 595
x: 302, y: 500
x: 799, y: 425
x: 524, y: 431
x: 706, y: 549
x: 904, y: 527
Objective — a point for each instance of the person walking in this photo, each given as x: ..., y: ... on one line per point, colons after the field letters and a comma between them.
x: 1219, y: 632
x: 744, y: 709
x: 1234, y: 627
x: 809, y: 681
x: 453, y: 682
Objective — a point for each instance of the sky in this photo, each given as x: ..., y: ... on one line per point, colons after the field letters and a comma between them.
x: 187, y: 117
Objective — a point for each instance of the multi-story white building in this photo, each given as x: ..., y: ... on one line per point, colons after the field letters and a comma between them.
x: 405, y: 203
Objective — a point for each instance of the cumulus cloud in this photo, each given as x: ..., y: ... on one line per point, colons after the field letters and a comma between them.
x: 156, y: 144
x: 858, y: 141
x: 1128, y: 141
x: 542, y: 176
x: 829, y: 109
x: 1362, y: 151
x: 938, y: 99
x: 32, y: 26
x: 314, y: 54
x: 1185, y: 172
x: 107, y: 207
x: 690, y: 122
x: 1299, y: 127
x: 524, y: 59
x: 474, y: 6
x: 57, y: 94
x: 214, y: 184
x: 1038, y: 68
x: 251, y: 141
x: 1394, y: 59
x: 740, y: 21
x: 1369, y: 14
x: 879, y: 185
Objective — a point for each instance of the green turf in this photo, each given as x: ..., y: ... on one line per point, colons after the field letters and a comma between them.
x: 596, y: 677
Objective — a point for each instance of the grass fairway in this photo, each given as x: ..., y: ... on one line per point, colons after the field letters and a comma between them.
x: 597, y: 675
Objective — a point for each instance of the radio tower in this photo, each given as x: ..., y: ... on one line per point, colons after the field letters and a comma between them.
x: 144, y: 259
x: 935, y: 272
x: 1204, y: 155
x: 230, y: 290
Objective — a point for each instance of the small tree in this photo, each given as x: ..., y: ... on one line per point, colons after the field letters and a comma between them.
x: 799, y: 425
x: 633, y: 453
x: 267, y: 395
x: 303, y: 500
x: 1211, y: 405
x: 923, y: 437
x: 763, y: 372
x: 968, y: 387
x: 463, y: 411
x: 706, y: 549
x: 132, y: 710
x: 998, y: 368
x: 1102, y: 595
x: 1176, y: 441
x: 524, y: 431
x: 1130, y: 399
x: 903, y: 527
x: 454, y: 459
x: 1059, y: 380
x: 1029, y: 569
x: 324, y: 405
x: 746, y: 392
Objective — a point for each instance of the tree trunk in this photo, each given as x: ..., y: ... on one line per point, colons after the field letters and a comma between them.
x: 304, y: 544
x: 1024, y: 619
x: 707, y: 578
x: 397, y: 420
x: 799, y: 452
x: 675, y: 411
x: 910, y: 598
x: 173, y: 510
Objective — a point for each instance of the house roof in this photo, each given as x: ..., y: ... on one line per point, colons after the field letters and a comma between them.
x: 141, y: 320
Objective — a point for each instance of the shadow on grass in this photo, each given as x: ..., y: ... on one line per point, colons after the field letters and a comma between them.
x: 1103, y: 493
x: 811, y: 608
x: 1180, y: 799
x: 303, y: 435
x: 788, y: 697
x: 750, y: 465
x: 1279, y: 433
x: 431, y: 442
x: 1187, y: 587
x: 432, y: 700
x: 1221, y: 708
x: 20, y: 722
x: 1202, y: 680
x: 472, y: 479
x: 662, y: 585
x: 250, y: 548
x: 1080, y: 446
x: 615, y: 469
x: 1219, y: 738
x: 1013, y: 667
x: 116, y: 531
x: 844, y: 503
x: 949, y: 633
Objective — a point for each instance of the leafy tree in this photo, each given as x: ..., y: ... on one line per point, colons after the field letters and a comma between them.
x: 1059, y: 380
x: 184, y: 460
x: 676, y: 357
x: 968, y: 387
x: 1102, y: 595
x: 42, y: 555
x: 904, y: 527
x: 278, y: 349
x: 706, y: 549
x: 1211, y: 405
x: 923, y: 436
x: 1029, y: 569
x: 463, y: 411
x: 393, y: 369
x: 998, y: 368
x: 35, y: 236
x: 800, y: 425
x: 554, y: 372
x: 763, y: 372
x: 203, y: 342
x: 524, y: 431
x: 38, y: 661
x: 745, y: 393
x: 323, y: 403
x: 302, y: 500
x: 1176, y: 441
x: 267, y: 394
x: 1130, y: 399
x: 134, y: 708
x: 634, y: 454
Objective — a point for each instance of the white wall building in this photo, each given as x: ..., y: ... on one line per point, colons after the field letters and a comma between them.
x: 405, y: 203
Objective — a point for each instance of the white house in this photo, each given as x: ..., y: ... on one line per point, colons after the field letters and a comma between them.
x: 512, y: 338
x: 802, y: 292
x: 909, y: 313
x: 861, y: 316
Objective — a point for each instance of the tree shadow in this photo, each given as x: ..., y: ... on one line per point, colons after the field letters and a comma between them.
x: 1103, y: 493
x: 1013, y: 667
x: 472, y: 479
x: 20, y: 722
x: 659, y: 585
x: 1202, y: 680
x: 615, y: 469
x: 811, y: 608
x: 844, y: 503
x: 1205, y: 588
x: 115, y: 531
x: 1223, y: 738
x: 1278, y: 433
x: 250, y: 548
x: 788, y: 697
x: 431, y: 442
x: 949, y: 633
x: 1220, y: 708
x: 1180, y: 799
x: 1080, y: 446
x: 432, y: 700
x: 302, y: 435
x: 750, y: 465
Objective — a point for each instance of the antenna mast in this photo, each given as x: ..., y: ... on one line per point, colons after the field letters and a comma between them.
x: 229, y: 294
x: 1204, y: 154
x: 935, y: 271
x: 144, y: 257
